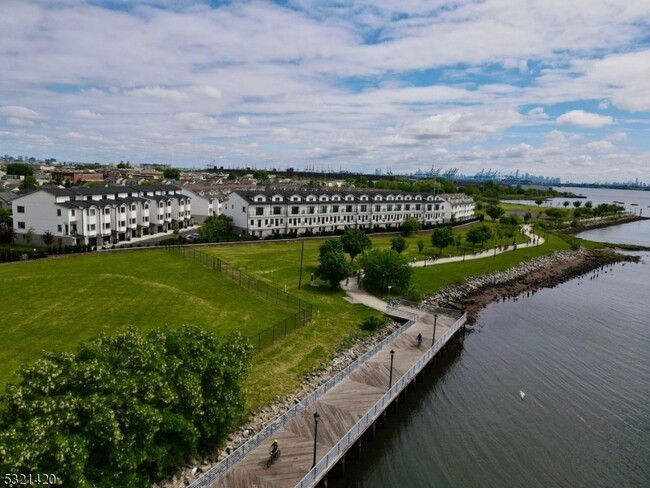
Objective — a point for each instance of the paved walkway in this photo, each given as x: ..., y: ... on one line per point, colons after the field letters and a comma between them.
x: 535, y: 240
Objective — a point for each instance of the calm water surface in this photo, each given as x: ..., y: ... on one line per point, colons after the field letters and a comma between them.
x: 580, y: 352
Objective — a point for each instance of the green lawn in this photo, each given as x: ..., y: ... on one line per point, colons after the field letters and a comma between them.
x: 432, y: 278
x: 53, y: 304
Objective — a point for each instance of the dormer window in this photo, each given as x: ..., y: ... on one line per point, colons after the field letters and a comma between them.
x: 389, y: 197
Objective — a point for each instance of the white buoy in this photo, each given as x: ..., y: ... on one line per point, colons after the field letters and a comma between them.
x: 521, y: 394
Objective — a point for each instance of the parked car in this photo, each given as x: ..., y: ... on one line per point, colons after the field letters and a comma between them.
x: 192, y: 237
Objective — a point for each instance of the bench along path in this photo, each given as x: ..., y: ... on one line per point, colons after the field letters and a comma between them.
x: 339, y: 409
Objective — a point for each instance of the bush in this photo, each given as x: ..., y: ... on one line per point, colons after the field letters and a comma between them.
x: 372, y: 324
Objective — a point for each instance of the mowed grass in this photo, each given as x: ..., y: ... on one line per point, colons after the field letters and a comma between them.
x: 431, y: 279
x: 56, y: 303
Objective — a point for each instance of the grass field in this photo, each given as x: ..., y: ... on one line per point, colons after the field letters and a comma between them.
x: 54, y: 304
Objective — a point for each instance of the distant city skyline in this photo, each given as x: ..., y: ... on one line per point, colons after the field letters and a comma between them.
x: 548, y: 88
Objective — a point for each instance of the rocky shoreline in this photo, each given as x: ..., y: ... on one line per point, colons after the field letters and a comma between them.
x: 602, y: 224
x: 476, y: 293
x: 528, y: 277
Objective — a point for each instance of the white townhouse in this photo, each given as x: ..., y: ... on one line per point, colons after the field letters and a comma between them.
x: 263, y: 213
x: 204, y: 205
x: 101, y: 216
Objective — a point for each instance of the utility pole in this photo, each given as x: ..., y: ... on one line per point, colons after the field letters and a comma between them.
x: 302, y: 255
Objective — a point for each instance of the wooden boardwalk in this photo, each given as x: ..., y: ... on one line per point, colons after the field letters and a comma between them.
x: 339, y: 409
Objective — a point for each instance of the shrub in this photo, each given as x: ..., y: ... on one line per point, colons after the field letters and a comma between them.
x: 372, y: 324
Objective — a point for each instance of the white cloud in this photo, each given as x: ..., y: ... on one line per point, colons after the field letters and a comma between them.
x: 86, y: 114
x: 19, y: 112
x: 599, y: 145
x: 20, y: 122
x: 161, y: 93
x: 580, y: 118
x: 208, y: 91
x: 282, y: 132
x: 537, y: 113
x: 195, y: 120
x: 243, y: 121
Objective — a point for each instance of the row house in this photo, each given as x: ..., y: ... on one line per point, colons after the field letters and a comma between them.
x: 101, y: 216
x: 261, y: 213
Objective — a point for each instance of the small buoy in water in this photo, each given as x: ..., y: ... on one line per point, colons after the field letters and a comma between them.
x: 521, y: 394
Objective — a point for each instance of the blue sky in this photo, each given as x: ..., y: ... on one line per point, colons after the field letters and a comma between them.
x: 545, y: 86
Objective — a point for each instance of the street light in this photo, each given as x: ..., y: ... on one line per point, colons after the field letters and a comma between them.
x: 435, y: 321
x: 316, y: 419
x: 390, y: 377
x: 389, y: 287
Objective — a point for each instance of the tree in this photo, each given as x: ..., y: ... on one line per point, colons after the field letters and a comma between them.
x: 539, y: 201
x: 28, y: 183
x: 478, y: 235
x: 420, y: 244
x: 333, y: 265
x: 384, y: 268
x: 215, y: 227
x: 5, y: 218
x: 410, y: 225
x: 566, y: 203
x: 398, y: 244
x: 527, y: 217
x: 332, y: 244
x: 442, y: 237
x: 20, y: 169
x: 354, y: 242
x: 588, y: 204
x: 172, y: 173
x: 261, y: 175
x: 48, y: 238
x: 124, y: 410
x: 29, y: 236
x: 577, y: 203
x: 494, y: 212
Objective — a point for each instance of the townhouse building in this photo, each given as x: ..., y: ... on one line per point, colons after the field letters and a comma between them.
x: 100, y: 216
x: 264, y: 213
x: 204, y: 203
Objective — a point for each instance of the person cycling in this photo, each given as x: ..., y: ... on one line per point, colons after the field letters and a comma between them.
x: 275, y: 449
x: 419, y: 339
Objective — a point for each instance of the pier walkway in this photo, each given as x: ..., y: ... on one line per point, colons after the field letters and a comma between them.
x: 348, y: 405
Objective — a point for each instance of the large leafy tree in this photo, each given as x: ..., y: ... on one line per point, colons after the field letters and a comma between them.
x: 385, y: 267
x: 215, y: 227
x: 124, y: 410
x: 410, y: 225
x: 442, y: 237
x: 333, y: 265
x: 494, y: 212
x: 355, y: 241
x: 172, y: 173
x: 20, y: 169
x: 478, y: 235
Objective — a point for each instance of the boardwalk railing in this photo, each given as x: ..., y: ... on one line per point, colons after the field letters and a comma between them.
x: 303, y: 309
x: 341, y: 447
x: 219, y: 469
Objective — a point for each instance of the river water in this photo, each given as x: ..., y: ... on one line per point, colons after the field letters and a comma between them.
x: 581, y: 354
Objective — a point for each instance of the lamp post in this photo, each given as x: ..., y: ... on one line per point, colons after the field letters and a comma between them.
x: 390, y: 376
x: 316, y: 419
x: 435, y: 321
x: 389, y: 287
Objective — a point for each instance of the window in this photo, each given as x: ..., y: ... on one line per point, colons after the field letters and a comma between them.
x: 107, y: 225
x: 133, y: 207
x: 145, y: 219
x: 348, y: 208
x: 146, y: 206
x: 21, y: 225
x: 295, y: 210
x: 377, y: 208
x: 122, y: 223
x: 323, y: 209
x: 122, y: 209
x: 132, y: 221
x: 58, y: 212
x: 417, y: 206
x: 91, y: 227
x: 74, y: 213
x: 335, y: 209
x: 107, y: 211
x: 91, y: 211
x: 389, y: 207
x: 364, y: 208
x: 60, y: 228
x: 277, y: 210
x: 311, y: 210
x: 259, y: 210
x: 407, y: 207
x: 243, y: 209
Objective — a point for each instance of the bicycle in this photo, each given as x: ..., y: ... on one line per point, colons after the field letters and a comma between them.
x: 273, y: 457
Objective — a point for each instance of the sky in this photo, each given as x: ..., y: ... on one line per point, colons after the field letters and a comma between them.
x: 552, y: 87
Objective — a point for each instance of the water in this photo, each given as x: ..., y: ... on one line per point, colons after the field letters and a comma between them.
x: 580, y: 352
x: 635, y: 201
